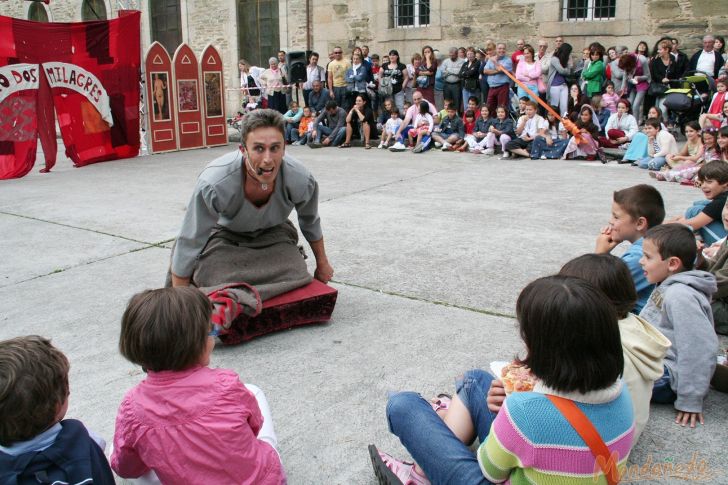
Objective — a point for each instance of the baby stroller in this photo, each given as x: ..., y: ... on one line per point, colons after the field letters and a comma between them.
x: 689, y: 97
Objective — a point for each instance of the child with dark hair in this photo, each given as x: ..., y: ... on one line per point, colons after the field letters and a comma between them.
x: 187, y: 422
x: 610, y: 97
x: 468, y: 128
x: 529, y: 126
x: 476, y: 140
x: 573, y: 350
x: 704, y: 216
x: 680, y: 309
x: 634, y: 210
x: 601, y: 113
x: 643, y: 346
x: 35, y: 440
x: 423, y: 125
x: 553, y: 143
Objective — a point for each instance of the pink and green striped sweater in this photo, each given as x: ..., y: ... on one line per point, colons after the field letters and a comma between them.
x: 531, y: 442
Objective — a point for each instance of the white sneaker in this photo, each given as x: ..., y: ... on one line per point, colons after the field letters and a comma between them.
x: 506, y: 155
x: 381, y: 145
x: 489, y: 151
x: 446, y: 146
x: 438, y: 144
x: 397, y: 147
x: 543, y: 157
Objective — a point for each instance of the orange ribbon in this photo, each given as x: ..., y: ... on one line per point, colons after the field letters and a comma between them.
x: 568, y: 124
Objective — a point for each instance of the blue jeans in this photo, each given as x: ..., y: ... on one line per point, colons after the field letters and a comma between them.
x: 443, y: 457
x: 713, y: 231
x: 662, y: 393
x: 466, y: 96
x: 340, y: 96
x: 554, y: 151
x: 336, y: 136
x: 405, y: 132
x: 291, y: 132
x: 652, y: 163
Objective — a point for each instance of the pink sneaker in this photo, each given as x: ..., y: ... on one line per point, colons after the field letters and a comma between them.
x: 391, y: 471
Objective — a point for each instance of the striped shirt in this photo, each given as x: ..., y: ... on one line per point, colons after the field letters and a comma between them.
x: 531, y: 441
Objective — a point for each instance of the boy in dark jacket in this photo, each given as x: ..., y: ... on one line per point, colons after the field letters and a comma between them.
x: 36, y: 444
x: 451, y: 131
x: 679, y: 307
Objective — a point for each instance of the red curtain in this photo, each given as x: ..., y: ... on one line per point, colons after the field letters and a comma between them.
x: 89, y: 72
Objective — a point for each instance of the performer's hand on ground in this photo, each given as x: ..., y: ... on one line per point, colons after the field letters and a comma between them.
x: 324, y: 272
x: 496, y: 395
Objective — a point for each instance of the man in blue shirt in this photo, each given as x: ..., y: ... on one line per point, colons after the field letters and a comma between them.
x: 499, y: 85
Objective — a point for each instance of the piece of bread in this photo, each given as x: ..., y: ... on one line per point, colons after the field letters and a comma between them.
x: 517, y: 378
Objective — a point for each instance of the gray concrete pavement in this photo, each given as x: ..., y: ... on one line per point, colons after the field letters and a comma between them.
x: 430, y: 253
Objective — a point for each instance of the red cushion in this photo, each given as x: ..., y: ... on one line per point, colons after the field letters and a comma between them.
x: 313, y: 303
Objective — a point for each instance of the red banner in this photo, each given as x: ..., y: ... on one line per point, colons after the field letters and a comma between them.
x: 88, y: 71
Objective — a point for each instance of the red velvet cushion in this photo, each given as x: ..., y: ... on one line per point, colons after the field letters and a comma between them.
x: 313, y: 303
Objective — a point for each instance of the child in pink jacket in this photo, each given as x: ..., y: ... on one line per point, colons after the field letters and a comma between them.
x: 187, y: 422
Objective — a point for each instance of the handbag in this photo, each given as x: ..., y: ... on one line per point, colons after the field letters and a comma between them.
x: 423, y: 81
x: 657, y: 89
x: 585, y: 429
x: 385, y: 86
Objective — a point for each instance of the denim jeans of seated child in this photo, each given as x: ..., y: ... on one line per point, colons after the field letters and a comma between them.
x: 442, y: 456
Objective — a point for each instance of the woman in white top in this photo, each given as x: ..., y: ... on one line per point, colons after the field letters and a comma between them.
x: 621, y: 126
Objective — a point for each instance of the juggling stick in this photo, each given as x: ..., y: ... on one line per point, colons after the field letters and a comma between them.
x: 568, y: 124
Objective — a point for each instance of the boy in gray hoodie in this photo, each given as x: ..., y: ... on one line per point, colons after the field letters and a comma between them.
x: 679, y: 307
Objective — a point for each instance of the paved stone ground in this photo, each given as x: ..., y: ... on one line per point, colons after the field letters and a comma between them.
x: 430, y: 253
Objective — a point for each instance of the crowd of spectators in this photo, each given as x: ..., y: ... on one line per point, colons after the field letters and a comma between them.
x: 608, y: 92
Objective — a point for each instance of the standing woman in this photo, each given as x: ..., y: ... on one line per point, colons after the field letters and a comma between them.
x: 662, y: 69
x: 469, y: 73
x: 397, y: 73
x: 425, y: 74
x: 559, y: 68
x: 412, y: 74
x: 636, y: 80
x: 356, y: 79
x: 272, y: 81
x: 594, y: 73
x: 642, y: 49
x: 528, y: 72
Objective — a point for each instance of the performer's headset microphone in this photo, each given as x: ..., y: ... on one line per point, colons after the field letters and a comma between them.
x: 246, y: 156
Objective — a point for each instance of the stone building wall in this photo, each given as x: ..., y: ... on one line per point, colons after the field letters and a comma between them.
x: 473, y: 22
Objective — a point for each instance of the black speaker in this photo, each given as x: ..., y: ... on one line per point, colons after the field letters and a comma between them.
x: 296, y: 66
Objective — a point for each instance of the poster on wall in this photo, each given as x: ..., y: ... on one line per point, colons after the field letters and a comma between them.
x: 87, y: 76
x: 212, y: 80
x: 187, y: 75
x: 162, y: 130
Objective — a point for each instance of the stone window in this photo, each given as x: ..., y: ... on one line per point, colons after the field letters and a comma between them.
x: 37, y: 11
x: 410, y: 13
x: 166, y: 23
x: 93, y: 10
x: 580, y: 10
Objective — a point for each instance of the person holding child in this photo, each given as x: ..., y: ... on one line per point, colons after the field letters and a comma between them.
x: 37, y: 445
x: 238, y: 217
x: 573, y: 350
x: 422, y: 127
x: 586, y: 146
x: 680, y: 309
x: 634, y: 211
x: 188, y: 422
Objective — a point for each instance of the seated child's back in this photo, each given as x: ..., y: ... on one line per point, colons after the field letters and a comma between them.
x: 36, y: 444
x: 187, y: 422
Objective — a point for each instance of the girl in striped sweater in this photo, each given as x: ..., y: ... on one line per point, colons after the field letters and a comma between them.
x: 573, y: 350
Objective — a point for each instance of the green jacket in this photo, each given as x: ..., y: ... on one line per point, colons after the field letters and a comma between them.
x: 594, y: 76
